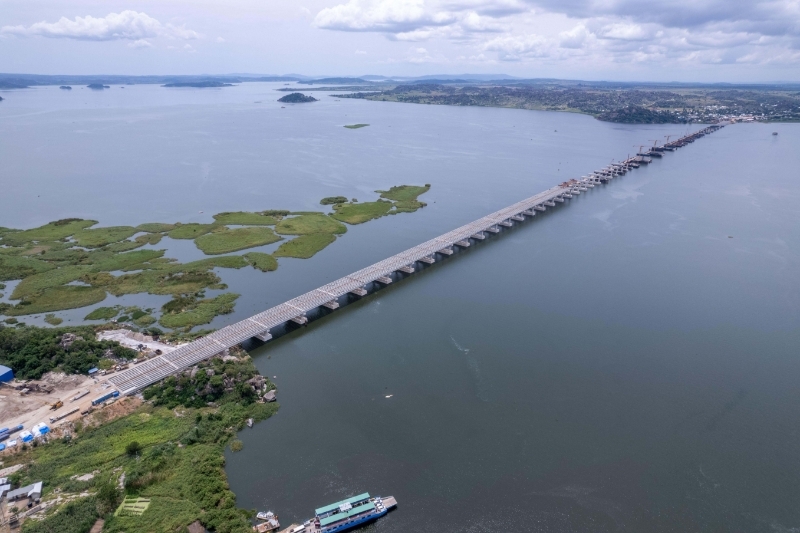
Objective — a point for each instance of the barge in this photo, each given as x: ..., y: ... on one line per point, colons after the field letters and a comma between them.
x: 345, y: 515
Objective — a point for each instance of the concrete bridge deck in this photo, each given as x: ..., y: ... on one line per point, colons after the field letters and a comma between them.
x: 258, y: 326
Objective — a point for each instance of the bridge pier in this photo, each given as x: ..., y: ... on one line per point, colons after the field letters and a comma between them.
x: 493, y: 229
x: 428, y: 260
x: 360, y: 291
x: 517, y: 218
x: 464, y: 244
x: 478, y: 236
x: 506, y: 224
x: 384, y: 279
x: 446, y: 251
x: 264, y: 337
x: 408, y: 269
x: 332, y: 305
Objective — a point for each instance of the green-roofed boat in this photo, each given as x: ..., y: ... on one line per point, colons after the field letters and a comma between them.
x: 346, y: 514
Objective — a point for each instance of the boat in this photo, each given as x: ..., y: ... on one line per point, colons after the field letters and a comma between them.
x: 270, y: 522
x: 347, y: 514
x: 774, y: 132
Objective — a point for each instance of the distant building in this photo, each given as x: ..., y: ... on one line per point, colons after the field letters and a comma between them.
x: 6, y: 374
x: 32, y: 492
x: 3, y: 489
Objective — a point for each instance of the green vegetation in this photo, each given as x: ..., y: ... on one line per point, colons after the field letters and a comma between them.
x: 237, y: 446
x: 296, y: 98
x: 190, y: 231
x: 53, y: 231
x: 194, y: 312
x: 132, y: 507
x: 32, y: 351
x: 309, y: 223
x: 113, y: 262
x: 154, y: 281
x: 304, y: 246
x: 97, y: 237
x: 356, y: 126
x: 331, y: 200
x: 52, y: 319
x: 37, y: 283
x: 263, y: 262
x: 56, y: 299
x: 243, y: 218
x: 77, y: 516
x: 52, y: 259
x: 360, y: 213
x: 13, y: 267
x: 230, y: 240
x: 155, y: 227
x: 102, y: 313
x: 404, y: 193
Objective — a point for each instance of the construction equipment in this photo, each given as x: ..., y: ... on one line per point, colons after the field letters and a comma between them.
x: 57, y: 405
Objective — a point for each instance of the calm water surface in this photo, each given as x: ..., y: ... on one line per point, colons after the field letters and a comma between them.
x: 629, y: 363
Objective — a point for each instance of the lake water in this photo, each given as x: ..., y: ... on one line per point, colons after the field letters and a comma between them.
x: 626, y: 363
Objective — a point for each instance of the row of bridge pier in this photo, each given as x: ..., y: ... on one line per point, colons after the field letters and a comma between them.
x: 330, y: 296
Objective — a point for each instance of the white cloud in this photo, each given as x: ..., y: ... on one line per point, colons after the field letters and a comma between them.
x: 360, y: 53
x: 127, y: 25
x: 219, y: 40
x: 140, y: 43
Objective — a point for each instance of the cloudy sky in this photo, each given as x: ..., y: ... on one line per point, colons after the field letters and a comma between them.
x: 684, y: 40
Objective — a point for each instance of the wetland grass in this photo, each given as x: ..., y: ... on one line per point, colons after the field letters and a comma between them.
x: 261, y: 261
x: 244, y: 218
x: 223, y: 241
x: 309, y: 223
x: 304, y: 246
x: 97, y: 237
x: 190, y: 231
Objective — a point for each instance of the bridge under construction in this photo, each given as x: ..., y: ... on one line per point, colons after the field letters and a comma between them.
x: 381, y: 273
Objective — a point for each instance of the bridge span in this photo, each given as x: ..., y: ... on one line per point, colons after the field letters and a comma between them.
x: 258, y: 326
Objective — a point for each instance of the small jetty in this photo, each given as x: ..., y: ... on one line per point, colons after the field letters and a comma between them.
x: 332, y: 297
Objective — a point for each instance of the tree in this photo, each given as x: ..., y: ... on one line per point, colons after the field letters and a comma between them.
x: 133, y: 448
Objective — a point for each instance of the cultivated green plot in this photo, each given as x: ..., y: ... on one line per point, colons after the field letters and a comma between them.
x: 132, y: 507
x: 304, y: 246
x: 309, y: 223
x: 244, y: 218
x: 53, y: 231
x: 231, y: 240
x: 261, y: 261
x: 13, y: 267
x: 37, y: 283
x: 97, y: 237
x: 190, y: 231
x: 197, y: 312
x: 155, y: 227
x: 360, y: 213
x: 58, y: 299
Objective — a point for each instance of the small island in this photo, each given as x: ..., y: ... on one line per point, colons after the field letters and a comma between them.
x: 355, y: 126
x: 198, y: 84
x: 98, y: 86
x: 297, y: 98
x: 66, y: 87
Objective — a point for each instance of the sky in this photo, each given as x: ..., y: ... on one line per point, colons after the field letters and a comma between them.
x: 641, y: 40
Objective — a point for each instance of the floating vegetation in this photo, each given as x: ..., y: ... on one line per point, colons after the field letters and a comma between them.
x: 69, y: 264
x: 190, y: 231
x: 309, y: 223
x: 56, y: 299
x: 52, y: 319
x: 155, y: 227
x: 244, y: 218
x: 189, y: 312
x: 261, y: 261
x: 355, y: 126
x: 37, y: 283
x: 102, y: 313
x: 53, y: 231
x: 13, y: 267
x: 360, y: 213
x: 97, y: 237
x: 226, y: 240
x: 304, y: 246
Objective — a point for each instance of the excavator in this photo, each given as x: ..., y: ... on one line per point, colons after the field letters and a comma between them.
x: 59, y: 404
